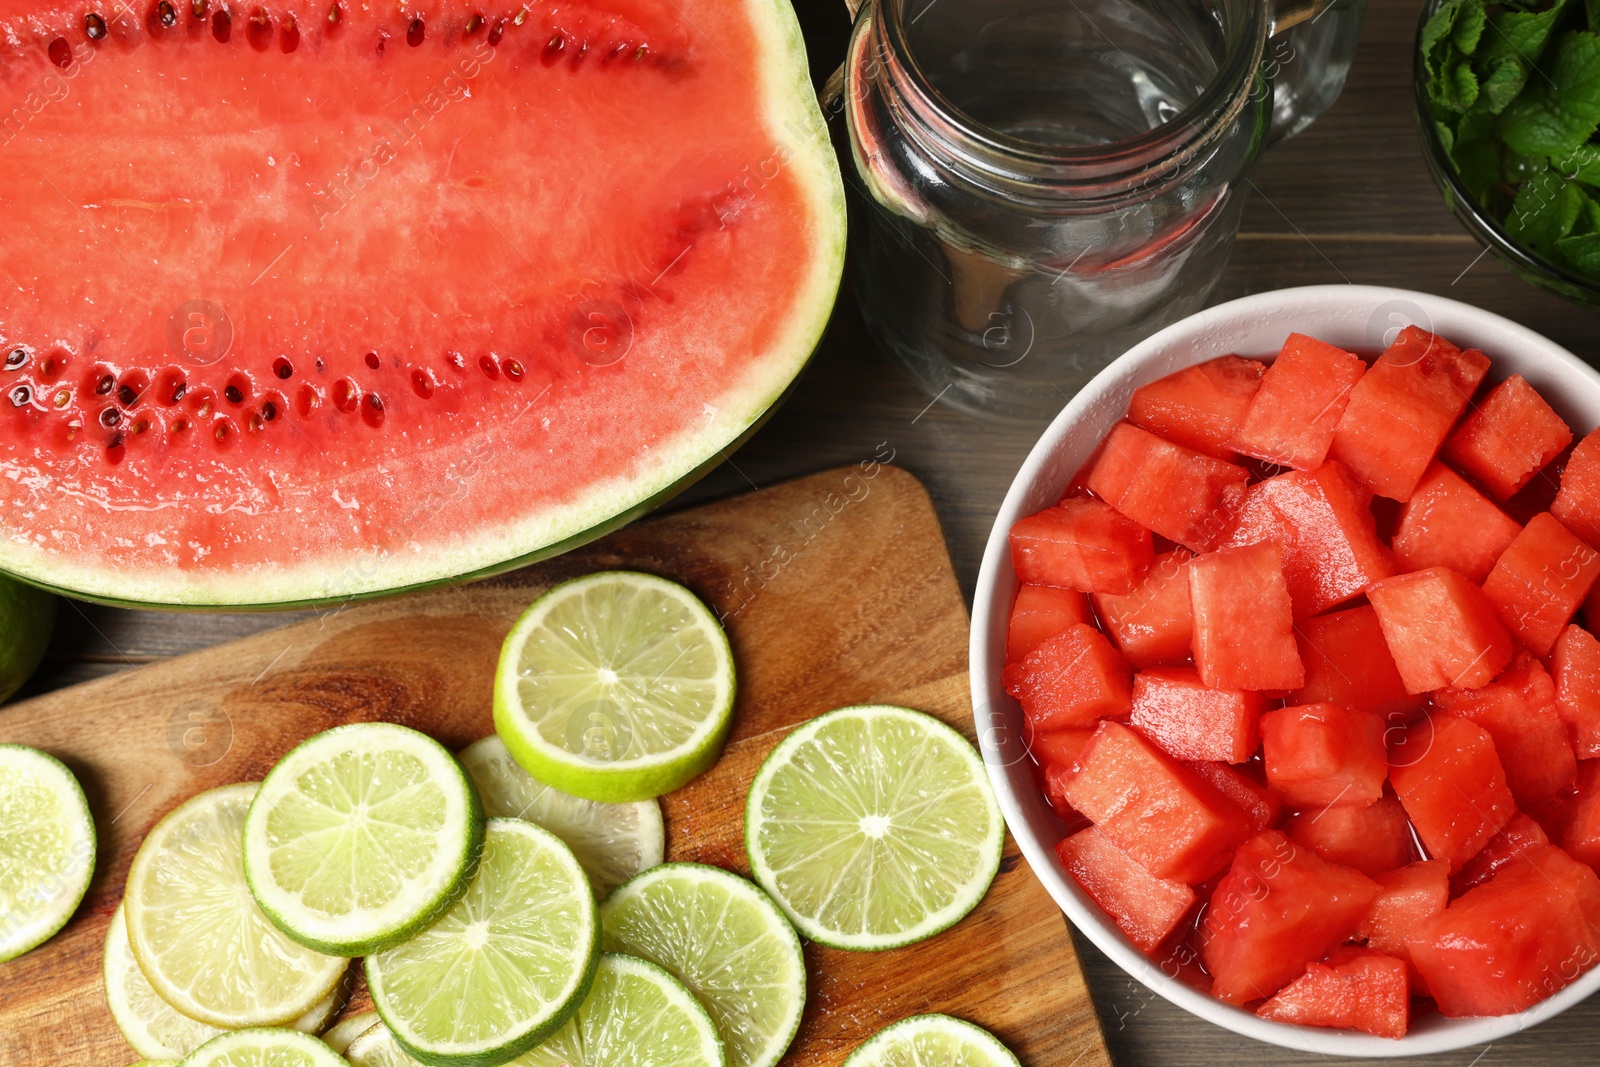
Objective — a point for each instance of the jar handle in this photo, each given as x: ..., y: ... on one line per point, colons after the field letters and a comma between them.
x: 1308, y: 58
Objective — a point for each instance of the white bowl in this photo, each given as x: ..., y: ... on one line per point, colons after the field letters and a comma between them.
x: 1362, y: 318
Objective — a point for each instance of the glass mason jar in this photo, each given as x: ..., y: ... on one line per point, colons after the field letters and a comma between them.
x: 1047, y: 182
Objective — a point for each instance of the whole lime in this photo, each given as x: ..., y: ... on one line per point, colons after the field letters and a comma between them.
x: 27, y: 615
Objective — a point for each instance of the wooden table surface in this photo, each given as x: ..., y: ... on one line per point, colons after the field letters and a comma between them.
x: 1347, y: 201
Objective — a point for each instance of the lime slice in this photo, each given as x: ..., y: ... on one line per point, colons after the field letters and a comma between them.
x: 149, y: 1023
x: 264, y: 1047
x: 928, y: 1039
x: 724, y: 939
x: 199, y: 937
x: 616, y: 686
x: 614, y: 842
x: 505, y: 966
x: 360, y: 837
x: 27, y: 617
x: 376, y: 1047
x: 348, y: 1029
x: 873, y: 827
x: 47, y: 848
x: 637, y: 1015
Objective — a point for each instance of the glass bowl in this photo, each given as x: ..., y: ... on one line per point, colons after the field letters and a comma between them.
x: 1488, y: 230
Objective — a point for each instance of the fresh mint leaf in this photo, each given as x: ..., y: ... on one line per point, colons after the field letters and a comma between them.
x: 1562, y: 108
x: 1594, y: 14
x: 1436, y: 36
x: 1581, y: 253
x: 1457, y: 88
x: 1520, y: 34
x: 1588, y: 220
x: 1582, y: 165
x: 1468, y: 30
x: 1506, y: 79
x: 1546, y: 209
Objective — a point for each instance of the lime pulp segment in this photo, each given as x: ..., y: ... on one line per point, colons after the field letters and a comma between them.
x: 346, y: 1030
x: 724, y: 939
x: 922, y: 1040
x: 197, y: 933
x: 505, y: 966
x: 47, y: 848
x: 616, y: 686
x: 873, y: 827
x: 360, y: 837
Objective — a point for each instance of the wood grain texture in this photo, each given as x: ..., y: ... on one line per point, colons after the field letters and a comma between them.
x: 1348, y: 200
x: 835, y: 590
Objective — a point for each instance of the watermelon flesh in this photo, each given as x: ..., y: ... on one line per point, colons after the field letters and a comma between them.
x: 339, y: 306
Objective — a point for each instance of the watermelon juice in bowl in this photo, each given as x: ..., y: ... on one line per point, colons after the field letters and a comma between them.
x: 1223, y: 746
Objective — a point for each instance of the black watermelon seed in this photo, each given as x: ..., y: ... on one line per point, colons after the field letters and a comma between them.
x: 20, y: 396
x: 283, y: 368
x: 474, y: 24
x: 373, y: 361
x: 178, y: 391
x: 416, y: 32
x: 497, y: 31
x: 16, y: 359
x: 233, y: 394
x: 110, y: 417
x: 269, y: 411
x: 553, y: 50
x: 166, y: 14
x: 95, y: 26
x: 104, y: 385
x: 61, y: 53
x: 198, y: 9
x: 128, y: 395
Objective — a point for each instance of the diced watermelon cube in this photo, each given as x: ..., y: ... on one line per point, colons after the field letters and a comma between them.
x: 1323, y: 519
x: 1040, y: 612
x: 1056, y: 776
x: 1539, y: 581
x: 1259, y: 802
x: 1186, y: 497
x: 1576, y: 664
x: 1526, y: 933
x: 1320, y: 755
x: 1372, y: 838
x: 1447, y: 775
x: 1080, y: 544
x: 1347, y: 663
x: 1577, y: 503
x: 1152, y: 807
x: 1057, y: 746
x: 1406, y: 898
x: 1370, y: 992
x: 1292, y: 419
x: 1521, y: 834
x: 1199, y: 407
x: 1279, y: 908
x: 1402, y: 408
x: 1072, y: 679
x: 1191, y: 721
x: 1447, y: 523
x: 1153, y: 624
x: 1581, y: 838
x: 1145, y: 907
x: 1508, y: 439
x: 1243, y: 619
x: 1519, y: 710
x: 1440, y: 629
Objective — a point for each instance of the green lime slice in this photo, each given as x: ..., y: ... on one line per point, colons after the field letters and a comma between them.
x: 27, y: 617
x: 637, y: 1015
x: 505, y: 966
x: 616, y: 687
x: 263, y: 1047
x: 724, y: 939
x: 47, y: 848
x: 360, y: 837
x: 150, y: 1024
x: 932, y: 1039
x: 614, y: 842
x: 199, y: 937
x: 873, y: 827
x: 346, y: 1030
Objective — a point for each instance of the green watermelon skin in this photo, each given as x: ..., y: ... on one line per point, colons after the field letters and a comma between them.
x: 585, y: 263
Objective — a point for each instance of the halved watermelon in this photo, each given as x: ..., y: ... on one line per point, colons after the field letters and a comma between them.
x: 313, y: 299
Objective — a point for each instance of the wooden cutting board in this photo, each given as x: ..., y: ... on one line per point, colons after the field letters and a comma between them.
x: 836, y: 589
